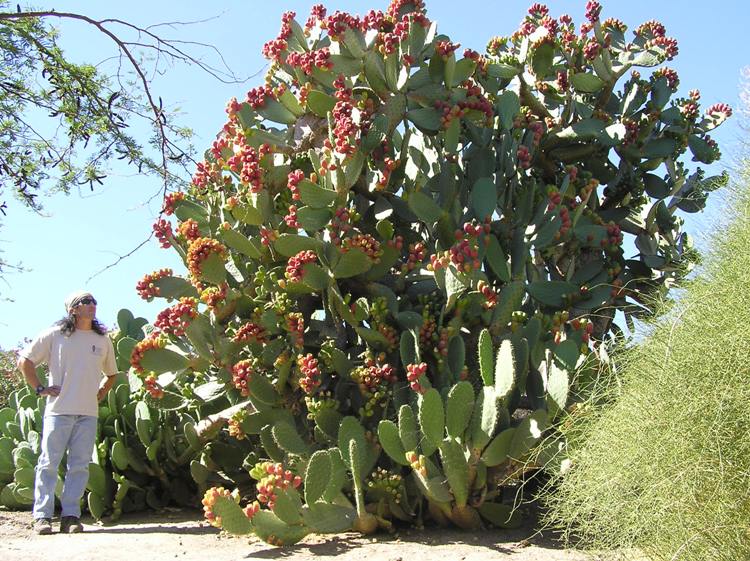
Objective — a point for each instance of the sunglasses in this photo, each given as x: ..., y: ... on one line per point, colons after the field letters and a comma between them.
x: 86, y: 301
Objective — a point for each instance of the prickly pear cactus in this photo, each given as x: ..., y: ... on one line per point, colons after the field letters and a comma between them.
x: 402, y: 257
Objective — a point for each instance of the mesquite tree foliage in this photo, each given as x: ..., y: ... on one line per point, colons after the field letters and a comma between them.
x: 404, y: 260
x: 65, y: 123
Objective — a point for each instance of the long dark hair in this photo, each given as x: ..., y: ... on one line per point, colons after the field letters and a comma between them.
x: 68, y: 325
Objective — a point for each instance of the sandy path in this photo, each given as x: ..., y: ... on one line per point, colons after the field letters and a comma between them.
x: 182, y: 535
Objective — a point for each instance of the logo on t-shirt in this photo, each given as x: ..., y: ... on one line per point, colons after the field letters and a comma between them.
x: 96, y: 350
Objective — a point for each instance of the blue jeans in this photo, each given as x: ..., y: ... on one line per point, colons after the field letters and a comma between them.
x: 76, y: 434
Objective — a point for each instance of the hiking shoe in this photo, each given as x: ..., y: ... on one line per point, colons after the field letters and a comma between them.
x: 70, y: 525
x: 43, y: 526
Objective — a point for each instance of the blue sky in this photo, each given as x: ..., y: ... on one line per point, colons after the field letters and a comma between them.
x: 80, y: 235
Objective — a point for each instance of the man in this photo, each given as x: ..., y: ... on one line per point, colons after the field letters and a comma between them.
x: 77, y: 352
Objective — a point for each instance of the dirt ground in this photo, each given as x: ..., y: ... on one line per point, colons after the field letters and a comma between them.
x: 183, y: 535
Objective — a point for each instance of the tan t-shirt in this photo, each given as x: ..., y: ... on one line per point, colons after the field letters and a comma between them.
x: 76, y: 363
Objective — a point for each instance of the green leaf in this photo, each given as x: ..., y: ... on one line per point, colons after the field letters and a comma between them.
x: 586, y: 83
x: 189, y: 210
x: 276, y: 112
x: 407, y: 428
x: 409, y: 320
x: 508, y: 107
x: 200, y: 334
x: 354, y: 41
x: 96, y: 505
x: 499, y: 449
x: 97, y: 479
x: 544, y: 235
x: 124, y: 317
x: 328, y: 421
x: 484, y: 198
x: 262, y: 389
x: 463, y: 70
x: 456, y: 469
x: 426, y: 209
x: 408, y: 348
x: 24, y: 476
x: 449, y: 69
x: 338, y: 475
x: 642, y: 58
x: 454, y: 286
x: 436, y: 67
x: 459, y: 407
x: 211, y: 390
x: 701, y: 150
x: 329, y: 518
x: 291, y: 244
x: 659, y: 148
x: 591, y: 235
x: 656, y: 187
x: 501, y: 515
x: 557, y: 388
x: 119, y: 456
x: 486, y: 358
x: 496, y: 259
x: 163, y: 360
x: 313, y: 219
x: 426, y: 119
x: 456, y: 355
x: 374, y: 68
x: 452, y: 135
x: 351, y: 429
x: 315, y: 276
x: 528, y: 433
x: 271, y: 529
x: 289, y: 100
x: 434, y: 488
x: 174, y: 287
x: 660, y: 93
x: 613, y: 135
x: 541, y: 59
x: 6, y: 458
x: 431, y: 420
x: 320, y: 103
x: 551, y: 293
x: 352, y: 263
x: 391, y: 442
x: 248, y: 214
x: 342, y: 64
x: 317, y: 474
x: 236, y: 241
x: 372, y: 337
x: 504, y: 71
x: 385, y: 229
x: 352, y: 170
x: 288, y: 506
x: 212, y: 269
x: 124, y: 349
x: 506, y: 368
x: 585, y: 129
x: 289, y: 440
x: 567, y: 354
x: 314, y: 195
x: 233, y: 520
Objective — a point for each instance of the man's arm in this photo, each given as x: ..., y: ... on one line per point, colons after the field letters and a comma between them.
x: 28, y: 369
x: 109, y: 381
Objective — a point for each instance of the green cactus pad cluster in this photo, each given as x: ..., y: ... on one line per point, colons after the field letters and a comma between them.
x: 404, y: 259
